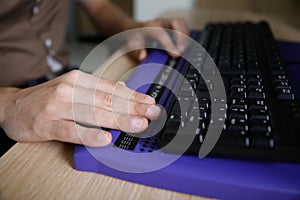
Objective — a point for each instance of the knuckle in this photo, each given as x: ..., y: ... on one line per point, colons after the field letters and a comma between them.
x: 44, y: 112
x: 113, y: 84
x: 66, y: 131
x: 66, y: 128
x: 139, y: 109
x: 62, y: 88
x: 49, y: 107
x: 108, y: 84
x: 72, y: 75
x: 108, y: 98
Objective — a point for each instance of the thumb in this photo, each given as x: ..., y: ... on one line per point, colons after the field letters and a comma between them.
x: 142, y: 53
x: 136, y: 43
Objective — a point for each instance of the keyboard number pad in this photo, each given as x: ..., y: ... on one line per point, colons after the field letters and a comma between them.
x: 248, y: 119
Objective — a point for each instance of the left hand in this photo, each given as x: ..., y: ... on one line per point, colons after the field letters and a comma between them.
x: 174, y: 48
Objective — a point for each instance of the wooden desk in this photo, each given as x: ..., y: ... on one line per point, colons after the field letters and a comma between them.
x: 45, y: 170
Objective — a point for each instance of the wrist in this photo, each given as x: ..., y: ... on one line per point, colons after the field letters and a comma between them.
x: 6, y: 94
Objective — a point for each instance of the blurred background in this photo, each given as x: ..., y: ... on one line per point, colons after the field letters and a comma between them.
x: 81, y: 32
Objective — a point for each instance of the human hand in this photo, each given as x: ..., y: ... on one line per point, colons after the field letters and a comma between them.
x: 174, y: 48
x: 73, y: 107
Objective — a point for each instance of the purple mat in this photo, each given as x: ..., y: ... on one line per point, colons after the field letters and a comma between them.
x: 210, y: 177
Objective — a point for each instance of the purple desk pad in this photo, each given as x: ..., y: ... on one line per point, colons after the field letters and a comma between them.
x: 213, y: 177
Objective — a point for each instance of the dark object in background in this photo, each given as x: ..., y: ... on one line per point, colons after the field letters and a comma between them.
x: 5, y: 142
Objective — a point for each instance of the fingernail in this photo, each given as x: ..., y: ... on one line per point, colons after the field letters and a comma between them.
x: 137, y: 122
x: 142, y: 55
x: 149, y: 100
x: 102, y: 137
x: 122, y: 83
x: 153, y: 112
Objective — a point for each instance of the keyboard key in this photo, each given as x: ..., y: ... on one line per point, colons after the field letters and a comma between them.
x: 262, y: 142
x: 258, y: 107
x: 281, y: 87
x: 186, y: 93
x: 286, y: 96
x: 238, y: 95
x: 238, y: 115
x: 253, y: 68
x: 259, y: 117
x: 233, y: 140
x: 260, y: 129
x: 238, y: 106
x: 278, y: 72
x: 258, y: 102
x: 172, y: 126
x: 255, y: 84
x: 256, y: 95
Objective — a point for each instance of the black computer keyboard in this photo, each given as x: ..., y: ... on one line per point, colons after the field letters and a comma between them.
x: 262, y: 113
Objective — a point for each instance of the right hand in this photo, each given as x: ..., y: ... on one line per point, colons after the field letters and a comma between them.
x: 147, y: 29
x: 73, y: 107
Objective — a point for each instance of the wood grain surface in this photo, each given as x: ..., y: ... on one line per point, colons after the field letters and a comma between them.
x: 45, y: 171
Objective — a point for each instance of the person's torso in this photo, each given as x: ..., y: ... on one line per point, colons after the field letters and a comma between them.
x: 32, y: 34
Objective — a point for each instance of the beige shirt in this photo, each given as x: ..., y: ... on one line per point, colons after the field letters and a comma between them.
x: 31, y: 30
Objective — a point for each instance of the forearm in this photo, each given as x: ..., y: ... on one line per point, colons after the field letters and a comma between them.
x: 108, y: 18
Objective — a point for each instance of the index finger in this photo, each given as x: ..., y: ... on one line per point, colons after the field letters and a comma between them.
x: 108, y: 86
x: 181, y: 32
